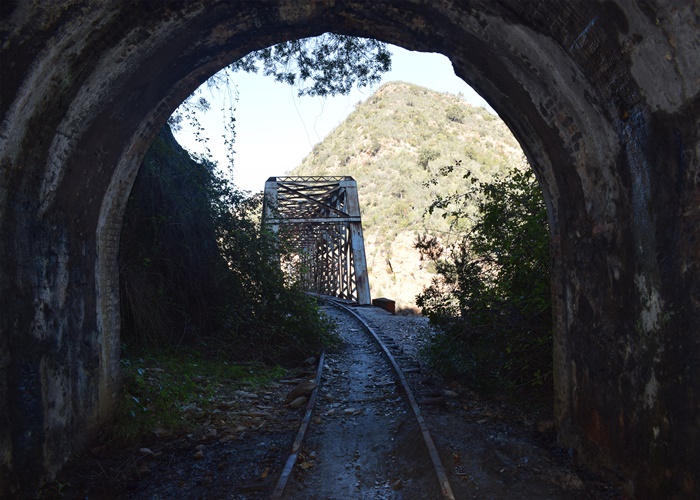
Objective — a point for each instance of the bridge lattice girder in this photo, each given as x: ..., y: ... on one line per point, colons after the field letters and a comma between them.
x: 320, y: 218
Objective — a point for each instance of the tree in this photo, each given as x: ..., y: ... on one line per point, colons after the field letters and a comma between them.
x: 322, y: 66
x: 491, y: 298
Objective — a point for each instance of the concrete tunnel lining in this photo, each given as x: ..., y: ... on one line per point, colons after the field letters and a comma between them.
x: 574, y: 82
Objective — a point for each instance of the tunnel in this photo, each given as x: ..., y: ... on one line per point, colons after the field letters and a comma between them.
x: 603, y: 97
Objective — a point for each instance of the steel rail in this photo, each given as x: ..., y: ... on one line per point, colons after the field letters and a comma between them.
x: 301, y: 433
x: 432, y: 450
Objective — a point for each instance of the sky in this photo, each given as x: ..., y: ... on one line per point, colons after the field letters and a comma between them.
x: 275, y: 129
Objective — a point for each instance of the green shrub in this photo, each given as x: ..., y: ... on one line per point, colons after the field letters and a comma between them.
x: 491, y: 297
x: 456, y: 113
x: 426, y: 155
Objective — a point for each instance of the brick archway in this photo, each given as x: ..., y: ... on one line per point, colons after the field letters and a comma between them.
x: 603, y: 98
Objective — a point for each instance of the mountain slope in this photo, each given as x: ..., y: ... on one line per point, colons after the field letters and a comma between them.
x: 393, y: 144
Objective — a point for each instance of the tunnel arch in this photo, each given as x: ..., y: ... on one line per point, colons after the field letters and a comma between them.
x: 591, y: 90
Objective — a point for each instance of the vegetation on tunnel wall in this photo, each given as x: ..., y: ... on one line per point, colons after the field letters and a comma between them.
x: 196, y: 270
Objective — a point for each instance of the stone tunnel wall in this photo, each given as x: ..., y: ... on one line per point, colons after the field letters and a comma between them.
x: 603, y: 97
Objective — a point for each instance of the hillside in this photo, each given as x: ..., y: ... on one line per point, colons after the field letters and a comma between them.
x: 393, y: 144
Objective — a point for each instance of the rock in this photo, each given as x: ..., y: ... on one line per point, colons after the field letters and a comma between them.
x: 162, y: 433
x: 246, y: 394
x: 191, y: 409
x: 570, y: 481
x: 303, y: 389
x: 198, y: 455
x: 398, y: 484
x: 289, y: 381
x: 258, y: 413
x: 385, y: 383
x: 450, y: 394
x: 298, y: 402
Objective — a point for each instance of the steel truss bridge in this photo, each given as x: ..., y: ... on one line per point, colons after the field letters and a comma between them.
x: 320, y: 218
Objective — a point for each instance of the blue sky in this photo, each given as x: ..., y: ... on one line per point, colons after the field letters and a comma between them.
x: 275, y: 129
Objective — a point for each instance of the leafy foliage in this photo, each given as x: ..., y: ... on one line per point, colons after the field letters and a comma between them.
x: 197, y: 270
x: 491, y: 297
x: 170, y: 267
x: 320, y: 66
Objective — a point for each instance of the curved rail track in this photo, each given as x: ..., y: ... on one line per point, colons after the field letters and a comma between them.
x: 399, y: 364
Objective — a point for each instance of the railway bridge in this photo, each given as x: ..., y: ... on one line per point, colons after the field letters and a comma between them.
x: 603, y: 96
x: 319, y: 219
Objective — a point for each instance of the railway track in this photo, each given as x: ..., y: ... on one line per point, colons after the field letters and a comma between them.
x: 360, y: 437
x: 363, y: 434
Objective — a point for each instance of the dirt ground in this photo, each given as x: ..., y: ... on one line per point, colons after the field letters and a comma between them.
x: 360, y: 443
x: 232, y: 454
x: 489, y: 448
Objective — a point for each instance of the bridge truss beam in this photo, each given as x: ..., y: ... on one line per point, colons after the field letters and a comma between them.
x: 320, y: 218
